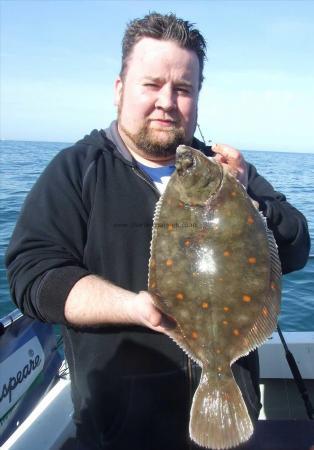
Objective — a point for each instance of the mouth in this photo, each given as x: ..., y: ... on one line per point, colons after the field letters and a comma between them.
x: 164, y: 122
x: 184, y: 159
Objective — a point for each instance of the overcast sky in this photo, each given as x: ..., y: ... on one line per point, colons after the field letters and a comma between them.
x: 59, y: 60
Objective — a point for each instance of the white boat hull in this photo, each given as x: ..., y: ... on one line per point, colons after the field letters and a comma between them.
x: 50, y: 423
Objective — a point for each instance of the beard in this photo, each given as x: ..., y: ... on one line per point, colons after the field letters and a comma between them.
x: 146, y: 141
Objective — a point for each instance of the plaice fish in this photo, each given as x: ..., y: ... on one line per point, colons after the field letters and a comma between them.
x: 214, y: 268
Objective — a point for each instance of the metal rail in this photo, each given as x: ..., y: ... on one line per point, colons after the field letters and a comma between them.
x: 7, y: 320
x: 297, y: 377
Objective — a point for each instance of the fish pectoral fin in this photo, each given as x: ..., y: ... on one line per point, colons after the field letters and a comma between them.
x: 219, y: 417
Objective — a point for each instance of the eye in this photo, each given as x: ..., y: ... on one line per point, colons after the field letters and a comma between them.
x: 151, y: 85
x: 184, y: 90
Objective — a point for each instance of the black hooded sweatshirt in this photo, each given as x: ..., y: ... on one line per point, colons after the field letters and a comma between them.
x: 90, y: 212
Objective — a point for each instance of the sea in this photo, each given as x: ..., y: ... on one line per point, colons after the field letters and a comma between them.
x: 21, y: 162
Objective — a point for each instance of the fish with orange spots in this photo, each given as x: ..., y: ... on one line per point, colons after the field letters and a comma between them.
x: 217, y: 322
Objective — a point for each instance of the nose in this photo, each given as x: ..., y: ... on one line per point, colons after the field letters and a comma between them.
x: 166, y: 98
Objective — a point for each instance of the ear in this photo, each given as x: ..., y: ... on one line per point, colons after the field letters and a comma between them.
x: 118, y: 85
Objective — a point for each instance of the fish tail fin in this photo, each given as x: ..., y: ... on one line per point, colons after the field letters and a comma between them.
x: 219, y: 417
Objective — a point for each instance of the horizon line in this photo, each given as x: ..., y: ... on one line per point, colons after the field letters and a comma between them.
x: 238, y: 147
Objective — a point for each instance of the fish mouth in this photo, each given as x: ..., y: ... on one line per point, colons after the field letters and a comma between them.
x: 184, y: 159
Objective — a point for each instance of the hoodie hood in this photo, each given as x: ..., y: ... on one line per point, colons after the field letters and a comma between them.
x: 111, y: 137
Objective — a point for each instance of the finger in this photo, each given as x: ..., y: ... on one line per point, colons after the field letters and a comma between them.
x: 227, y: 152
x: 159, y: 319
x: 219, y: 158
x: 233, y: 160
x: 152, y: 315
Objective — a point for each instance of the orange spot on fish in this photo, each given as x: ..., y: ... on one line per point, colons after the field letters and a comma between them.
x: 273, y: 286
x: 179, y: 296
x: 225, y: 322
x: 265, y: 312
x: 194, y: 335
x: 236, y: 332
x: 234, y: 194
x: 226, y: 308
x: 218, y: 351
x: 226, y: 253
x: 252, y: 260
x: 170, y: 227
x: 181, y: 204
x: 220, y: 279
x: 204, y: 305
x: 246, y: 298
x: 169, y: 262
x: 250, y: 220
x: 153, y: 263
x: 187, y: 243
x: 153, y: 285
x: 219, y: 368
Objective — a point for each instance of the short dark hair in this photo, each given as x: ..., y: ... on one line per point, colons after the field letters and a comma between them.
x: 163, y: 27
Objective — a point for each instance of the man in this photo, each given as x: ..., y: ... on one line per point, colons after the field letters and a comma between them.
x: 79, y: 253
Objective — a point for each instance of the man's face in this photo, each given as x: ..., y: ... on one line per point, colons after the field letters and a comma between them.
x: 157, y: 99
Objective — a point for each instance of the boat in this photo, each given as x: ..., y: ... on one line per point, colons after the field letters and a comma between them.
x: 35, y: 400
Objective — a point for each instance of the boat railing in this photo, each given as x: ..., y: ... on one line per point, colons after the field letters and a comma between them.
x: 9, y: 319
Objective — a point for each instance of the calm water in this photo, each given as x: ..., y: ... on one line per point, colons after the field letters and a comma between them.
x: 291, y: 173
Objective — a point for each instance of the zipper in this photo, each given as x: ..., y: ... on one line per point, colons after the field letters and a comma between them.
x: 145, y: 178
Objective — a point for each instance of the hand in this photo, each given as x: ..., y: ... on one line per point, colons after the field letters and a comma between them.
x: 149, y: 315
x: 233, y: 160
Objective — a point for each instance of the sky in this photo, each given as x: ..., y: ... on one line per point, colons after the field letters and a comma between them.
x: 59, y: 60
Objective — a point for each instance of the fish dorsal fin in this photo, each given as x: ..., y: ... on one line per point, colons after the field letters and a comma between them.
x: 266, y: 322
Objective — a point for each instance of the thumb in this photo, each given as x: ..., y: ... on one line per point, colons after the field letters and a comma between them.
x: 158, y: 319
x: 153, y: 316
